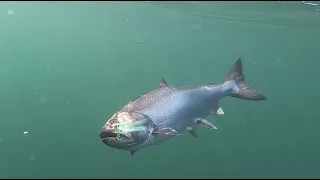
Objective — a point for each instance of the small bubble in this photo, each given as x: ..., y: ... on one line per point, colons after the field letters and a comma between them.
x: 139, y: 41
x: 48, y: 67
x: 26, y: 133
x: 43, y: 99
x: 10, y: 12
x: 31, y: 158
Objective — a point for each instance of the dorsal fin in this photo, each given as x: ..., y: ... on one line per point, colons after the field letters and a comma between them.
x: 163, y: 82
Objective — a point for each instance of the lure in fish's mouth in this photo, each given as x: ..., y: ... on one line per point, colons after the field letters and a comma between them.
x: 113, y: 134
x: 125, y: 130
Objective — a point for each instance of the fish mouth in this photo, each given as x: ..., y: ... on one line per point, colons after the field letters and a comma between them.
x: 105, y: 134
x: 117, y: 140
x: 108, y: 139
x: 110, y: 135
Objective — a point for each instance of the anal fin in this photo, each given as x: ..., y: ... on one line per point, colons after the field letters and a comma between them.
x: 192, y: 131
x: 217, y: 111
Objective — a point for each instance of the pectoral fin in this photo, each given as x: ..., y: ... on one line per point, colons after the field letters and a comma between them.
x: 192, y: 131
x: 206, y: 124
x: 166, y: 131
x: 133, y: 151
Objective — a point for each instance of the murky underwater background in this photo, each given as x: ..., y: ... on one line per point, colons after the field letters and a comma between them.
x: 66, y: 67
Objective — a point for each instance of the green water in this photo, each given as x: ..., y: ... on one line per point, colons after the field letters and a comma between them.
x: 65, y: 68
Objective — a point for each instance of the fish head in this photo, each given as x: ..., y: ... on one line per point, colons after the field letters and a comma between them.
x: 126, y: 130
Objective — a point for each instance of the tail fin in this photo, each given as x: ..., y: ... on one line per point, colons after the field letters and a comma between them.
x: 245, y: 91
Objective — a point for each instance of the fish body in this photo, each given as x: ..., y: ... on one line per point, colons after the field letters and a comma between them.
x: 167, y: 111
